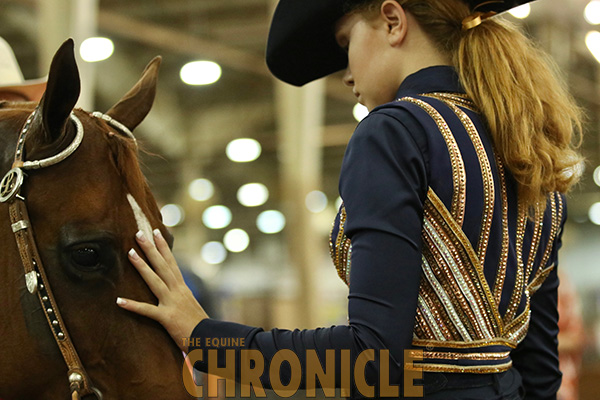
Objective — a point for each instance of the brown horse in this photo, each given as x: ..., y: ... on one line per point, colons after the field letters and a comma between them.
x: 84, y: 212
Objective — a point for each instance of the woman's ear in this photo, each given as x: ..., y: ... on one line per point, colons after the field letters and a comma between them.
x: 395, y: 18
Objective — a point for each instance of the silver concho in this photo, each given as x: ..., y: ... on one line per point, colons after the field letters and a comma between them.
x: 31, y: 282
x: 75, y: 378
x: 11, y: 184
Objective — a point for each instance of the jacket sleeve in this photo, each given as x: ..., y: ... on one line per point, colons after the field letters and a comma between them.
x: 383, y: 185
x: 536, y: 357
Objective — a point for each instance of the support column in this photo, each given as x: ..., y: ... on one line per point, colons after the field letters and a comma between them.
x: 300, y: 117
x: 63, y: 19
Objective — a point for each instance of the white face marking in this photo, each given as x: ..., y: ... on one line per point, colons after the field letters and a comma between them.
x: 142, y: 221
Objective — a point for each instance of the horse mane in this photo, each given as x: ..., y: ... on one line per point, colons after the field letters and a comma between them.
x: 124, y: 152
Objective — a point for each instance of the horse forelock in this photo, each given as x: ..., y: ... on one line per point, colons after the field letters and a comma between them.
x: 127, y: 163
x: 124, y: 153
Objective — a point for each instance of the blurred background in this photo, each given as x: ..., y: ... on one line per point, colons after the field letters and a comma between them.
x: 245, y: 168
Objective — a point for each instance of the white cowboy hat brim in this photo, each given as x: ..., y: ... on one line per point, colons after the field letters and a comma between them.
x: 11, y: 78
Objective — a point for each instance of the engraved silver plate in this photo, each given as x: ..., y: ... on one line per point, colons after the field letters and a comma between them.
x: 19, y: 226
x: 11, y: 184
x: 31, y: 282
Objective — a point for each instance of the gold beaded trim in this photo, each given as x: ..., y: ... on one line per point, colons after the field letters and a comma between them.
x: 443, y: 355
x: 489, y: 194
x: 535, y: 240
x: 517, y: 293
x: 501, y: 275
x: 475, y: 344
x: 340, y: 250
x: 458, y: 167
x: 457, y: 266
x: 557, y: 215
x: 473, y: 369
x: 458, y: 99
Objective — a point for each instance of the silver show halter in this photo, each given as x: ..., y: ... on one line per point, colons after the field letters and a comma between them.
x: 13, y: 180
x: 116, y: 124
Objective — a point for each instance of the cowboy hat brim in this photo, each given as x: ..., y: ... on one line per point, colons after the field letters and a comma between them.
x: 301, y: 46
x: 32, y: 89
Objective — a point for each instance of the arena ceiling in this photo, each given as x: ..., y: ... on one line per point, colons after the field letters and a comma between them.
x: 190, y: 126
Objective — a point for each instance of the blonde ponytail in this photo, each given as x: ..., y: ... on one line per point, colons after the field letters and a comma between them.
x: 532, y: 119
x: 531, y: 116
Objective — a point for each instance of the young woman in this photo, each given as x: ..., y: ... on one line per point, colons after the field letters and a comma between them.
x: 453, y: 203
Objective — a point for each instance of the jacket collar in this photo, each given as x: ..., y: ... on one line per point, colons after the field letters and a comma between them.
x: 439, y: 78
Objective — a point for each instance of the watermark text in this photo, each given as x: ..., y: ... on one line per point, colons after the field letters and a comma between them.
x: 252, y: 366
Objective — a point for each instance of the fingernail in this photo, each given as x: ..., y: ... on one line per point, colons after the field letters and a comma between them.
x: 133, y: 254
x: 157, y: 233
x: 141, y: 237
x: 121, y: 301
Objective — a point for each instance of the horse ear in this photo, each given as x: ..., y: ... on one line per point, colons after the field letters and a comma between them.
x: 136, y: 104
x: 62, y: 92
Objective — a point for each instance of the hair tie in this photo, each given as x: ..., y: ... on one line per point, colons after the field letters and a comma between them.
x: 476, y: 19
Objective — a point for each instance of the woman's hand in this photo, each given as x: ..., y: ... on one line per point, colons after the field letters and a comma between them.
x: 177, y: 309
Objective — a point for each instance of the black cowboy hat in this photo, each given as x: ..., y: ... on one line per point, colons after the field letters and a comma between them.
x: 302, y: 46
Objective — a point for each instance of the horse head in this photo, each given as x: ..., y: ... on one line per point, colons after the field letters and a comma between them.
x: 84, y: 211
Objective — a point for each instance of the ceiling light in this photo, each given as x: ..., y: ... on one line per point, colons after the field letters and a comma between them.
x: 172, y: 214
x: 213, y: 253
x: 96, y: 49
x: 316, y: 201
x: 200, y: 73
x: 597, y: 176
x: 271, y: 221
x: 216, y: 217
x: 201, y: 189
x: 592, y: 12
x: 236, y: 240
x: 253, y: 194
x: 592, y: 41
x: 243, y: 150
x: 594, y: 213
x: 360, y: 112
x: 520, y: 12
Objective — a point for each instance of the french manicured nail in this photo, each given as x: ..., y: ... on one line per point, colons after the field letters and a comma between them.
x: 141, y: 237
x: 121, y: 301
x: 133, y: 254
x: 157, y: 233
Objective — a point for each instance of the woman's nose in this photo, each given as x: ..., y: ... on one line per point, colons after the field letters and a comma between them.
x: 348, y: 79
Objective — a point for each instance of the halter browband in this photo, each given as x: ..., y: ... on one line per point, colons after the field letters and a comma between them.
x: 35, y: 276
x: 116, y: 124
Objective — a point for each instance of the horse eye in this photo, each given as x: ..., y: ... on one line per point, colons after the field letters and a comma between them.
x: 86, y: 258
